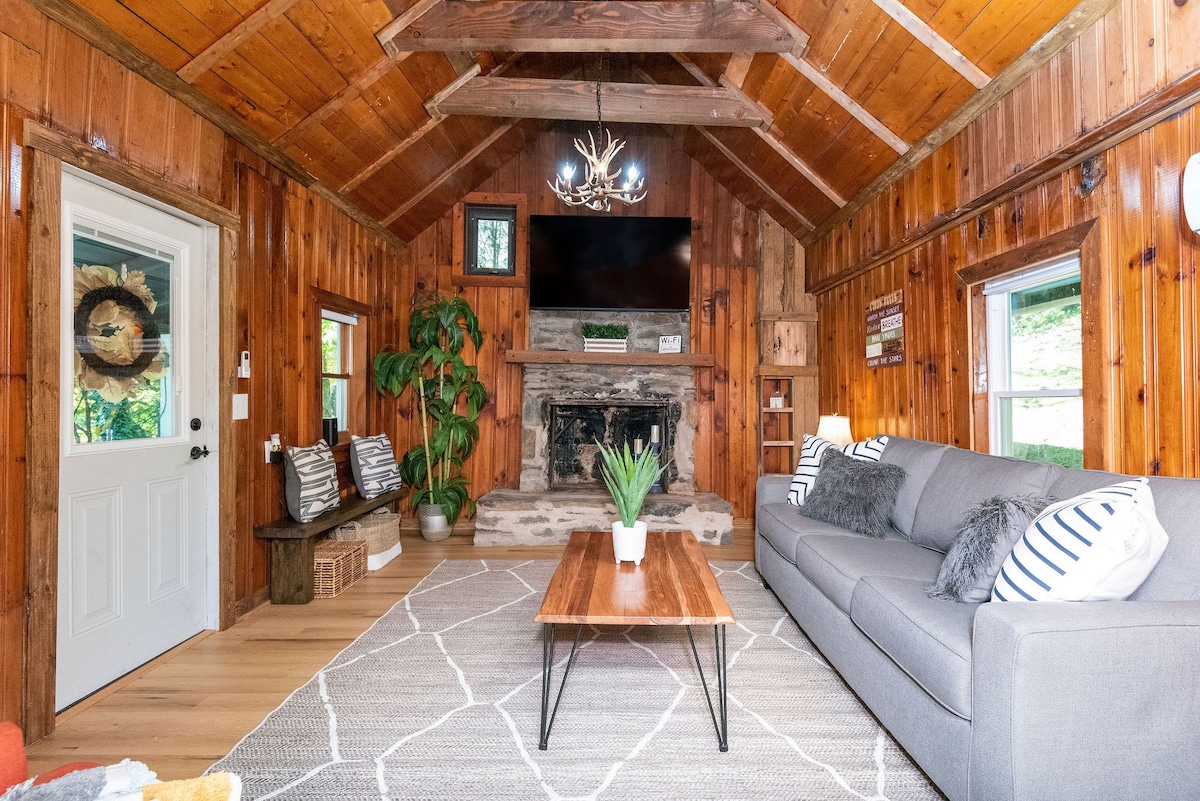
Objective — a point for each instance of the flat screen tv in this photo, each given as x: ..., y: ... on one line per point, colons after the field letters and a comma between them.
x: 641, y: 263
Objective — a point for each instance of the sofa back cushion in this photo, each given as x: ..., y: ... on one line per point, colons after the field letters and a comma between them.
x: 963, y: 479
x: 919, y: 459
x: 1177, y: 575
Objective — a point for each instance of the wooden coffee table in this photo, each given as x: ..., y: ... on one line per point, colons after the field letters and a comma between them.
x: 674, y: 586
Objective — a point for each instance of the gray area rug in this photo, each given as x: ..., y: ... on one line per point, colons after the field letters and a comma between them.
x: 440, y: 699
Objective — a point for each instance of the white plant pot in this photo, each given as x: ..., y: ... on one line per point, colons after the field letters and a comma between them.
x: 629, y: 544
x: 434, y: 526
x: 592, y: 345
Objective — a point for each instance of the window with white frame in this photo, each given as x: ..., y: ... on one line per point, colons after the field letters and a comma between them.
x: 1035, y: 363
x: 337, y: 364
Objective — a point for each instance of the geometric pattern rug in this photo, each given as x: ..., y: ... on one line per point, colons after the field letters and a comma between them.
x: 440, y: 699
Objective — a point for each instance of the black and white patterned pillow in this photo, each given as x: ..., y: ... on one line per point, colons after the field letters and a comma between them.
x: 374, y: 465
x: 310, y: 481
x: 811, y: 452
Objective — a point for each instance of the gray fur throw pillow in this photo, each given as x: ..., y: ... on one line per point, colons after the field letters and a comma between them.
x: 987, y: 535
x: 854, y: 493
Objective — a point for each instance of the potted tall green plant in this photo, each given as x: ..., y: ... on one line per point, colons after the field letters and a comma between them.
x: 449, y: 397
x: 629, y: 478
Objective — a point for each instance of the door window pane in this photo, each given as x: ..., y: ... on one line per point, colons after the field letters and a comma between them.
x: 122, y: 337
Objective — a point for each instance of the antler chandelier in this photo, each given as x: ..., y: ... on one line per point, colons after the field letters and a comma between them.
x: 599, y: 185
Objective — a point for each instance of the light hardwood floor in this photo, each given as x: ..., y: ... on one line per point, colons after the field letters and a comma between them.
x: 190, y: 707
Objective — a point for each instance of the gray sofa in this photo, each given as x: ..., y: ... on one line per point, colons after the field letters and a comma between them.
x: 997, y: 701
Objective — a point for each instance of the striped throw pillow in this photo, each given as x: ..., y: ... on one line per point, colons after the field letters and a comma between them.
x: 310, y: 481
x: 1098, y: 546
x: 374, y: 465
x: 811, y: 451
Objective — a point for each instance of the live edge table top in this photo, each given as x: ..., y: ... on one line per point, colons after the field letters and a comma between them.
x: 674, y: 585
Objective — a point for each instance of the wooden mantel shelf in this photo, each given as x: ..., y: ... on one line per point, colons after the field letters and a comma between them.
x: 629, y: 359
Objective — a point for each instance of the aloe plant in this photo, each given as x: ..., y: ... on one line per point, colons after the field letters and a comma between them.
x: 628, y: 479
x: 449, y: 399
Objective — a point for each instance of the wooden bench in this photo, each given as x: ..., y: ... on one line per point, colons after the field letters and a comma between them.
x: 292, y: 545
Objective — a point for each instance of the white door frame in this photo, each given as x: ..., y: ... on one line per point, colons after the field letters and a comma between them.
x: 46, y: 152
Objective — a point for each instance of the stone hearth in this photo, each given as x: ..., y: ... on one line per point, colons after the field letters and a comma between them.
x: 546, y: 511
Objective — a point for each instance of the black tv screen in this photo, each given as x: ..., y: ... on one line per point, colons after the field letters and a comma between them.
x: 639, y: 263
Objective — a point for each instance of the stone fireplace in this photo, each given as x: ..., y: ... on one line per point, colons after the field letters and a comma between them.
x: 568, y: 407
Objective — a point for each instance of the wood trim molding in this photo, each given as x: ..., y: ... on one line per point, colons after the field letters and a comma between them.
x: 85, y: 157
x: 49, y: 150
x: 458, y: 238
x: 336, y: 302
x: 1087, y: 13
x: 1056, y: 244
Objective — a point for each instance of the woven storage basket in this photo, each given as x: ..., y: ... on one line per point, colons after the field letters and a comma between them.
x: 379, y: 528
x: 337, y: 565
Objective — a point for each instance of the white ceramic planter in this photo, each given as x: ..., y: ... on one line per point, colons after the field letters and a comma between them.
x: 434, y: 526
x: 591, y: 345
x: 629, y: 544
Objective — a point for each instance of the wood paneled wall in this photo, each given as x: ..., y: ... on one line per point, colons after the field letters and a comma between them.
x: 1146, y: 325
x: 724, y: 271
x: 289, y: 241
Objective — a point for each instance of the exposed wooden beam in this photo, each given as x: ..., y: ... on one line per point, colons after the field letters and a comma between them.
x: 839, y: 96
x: 753, y: 176
x: 410, y: 15
x: 447, y: 173
x: 621, y: 102
x: 590, y: 26
x: 105, y: 39
x: 763, y: 132
x: 259, y: 19
x: 350, y: 91
x: 433, y: 104
x: 799, y: 36
x: 738, y: 67
x: 1083, y: 16
x: 927, y: 36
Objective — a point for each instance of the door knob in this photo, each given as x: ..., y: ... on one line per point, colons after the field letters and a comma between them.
x: 197, y: 451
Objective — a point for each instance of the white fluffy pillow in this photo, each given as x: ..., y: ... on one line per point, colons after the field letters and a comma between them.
x: 811, y: 452
x: 1098, y: 546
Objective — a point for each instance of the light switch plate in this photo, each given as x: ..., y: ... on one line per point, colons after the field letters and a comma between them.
x: 670, y: 344
x: 241, y: 407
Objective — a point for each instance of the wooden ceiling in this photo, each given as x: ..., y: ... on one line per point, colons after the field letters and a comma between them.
x: 396, y: 109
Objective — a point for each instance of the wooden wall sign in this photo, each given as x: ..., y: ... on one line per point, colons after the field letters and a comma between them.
x: 885, y: 330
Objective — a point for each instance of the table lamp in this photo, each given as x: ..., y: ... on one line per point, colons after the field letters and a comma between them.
x: 835, y: 429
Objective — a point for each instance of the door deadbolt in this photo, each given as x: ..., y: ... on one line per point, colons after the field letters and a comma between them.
x: 195, y: 424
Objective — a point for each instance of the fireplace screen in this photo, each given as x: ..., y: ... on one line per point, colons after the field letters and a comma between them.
x: 576, y: 427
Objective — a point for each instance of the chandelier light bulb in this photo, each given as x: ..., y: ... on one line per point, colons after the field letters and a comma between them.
x: 599, y: 185
x: 568, y: 170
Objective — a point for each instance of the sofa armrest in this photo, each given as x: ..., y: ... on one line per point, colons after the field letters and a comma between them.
x: 1085, y: 700
x: 771, y: 488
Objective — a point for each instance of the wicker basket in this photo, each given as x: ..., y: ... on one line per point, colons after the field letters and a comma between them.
x: 381, y: 531
x: 337, y: 565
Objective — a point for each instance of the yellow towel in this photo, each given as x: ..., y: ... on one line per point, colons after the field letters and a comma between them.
x: 217, y: 787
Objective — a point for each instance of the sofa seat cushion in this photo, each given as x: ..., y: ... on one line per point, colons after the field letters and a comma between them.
x: 928, y: 639
x: 835, y: 562
x: 782, y: 525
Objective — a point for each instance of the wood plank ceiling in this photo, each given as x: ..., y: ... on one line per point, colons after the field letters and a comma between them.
x: 398, y: 109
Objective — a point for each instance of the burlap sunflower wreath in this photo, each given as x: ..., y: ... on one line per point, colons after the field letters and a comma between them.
x: 117, y: 344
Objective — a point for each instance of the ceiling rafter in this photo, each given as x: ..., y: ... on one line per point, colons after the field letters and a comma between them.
x: 549, y: 99
x: 798, y: 34
x: 578, y: 26
x: 226, y: 44
x: 923, y: 33
x: 334, y: 104
x: 852, y: 107
x: 433, y: 104
x: 449, y: 172
x: 754, y: 176
x: 797, y: 163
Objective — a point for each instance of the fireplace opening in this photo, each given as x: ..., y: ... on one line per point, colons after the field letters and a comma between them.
x: 575, y: 427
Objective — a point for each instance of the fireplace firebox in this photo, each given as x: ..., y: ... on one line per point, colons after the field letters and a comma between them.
x: 576, y: 427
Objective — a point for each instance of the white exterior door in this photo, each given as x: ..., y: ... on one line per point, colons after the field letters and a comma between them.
x: 134, y: 534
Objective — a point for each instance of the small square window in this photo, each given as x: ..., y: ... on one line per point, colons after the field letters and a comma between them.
x: 491, y: 240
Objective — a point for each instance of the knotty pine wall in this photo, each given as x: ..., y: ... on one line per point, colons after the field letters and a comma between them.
x: 289, y: 240
x: 724, y: 274
x: 915, y: 237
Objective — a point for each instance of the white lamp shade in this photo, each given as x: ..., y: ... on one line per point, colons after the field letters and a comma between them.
x: 1191, y: 193
x: 835, y: 429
